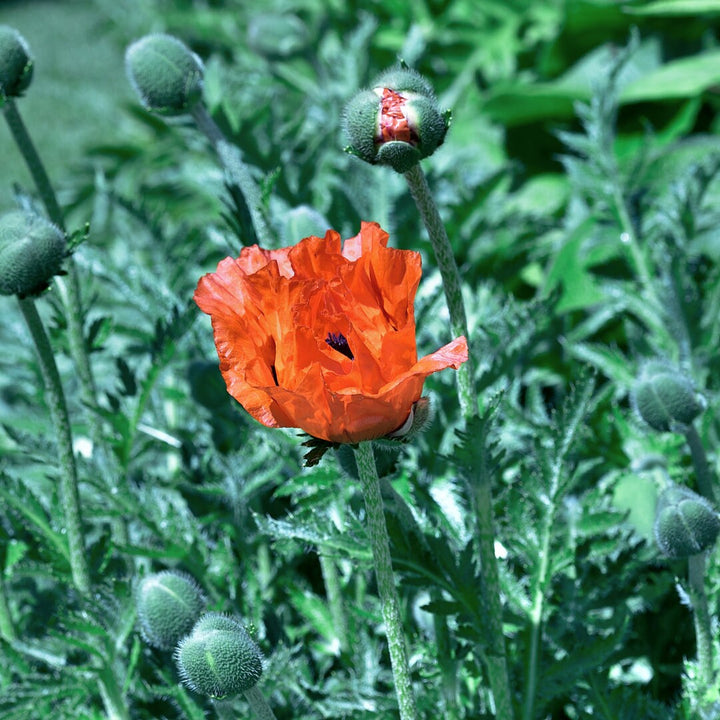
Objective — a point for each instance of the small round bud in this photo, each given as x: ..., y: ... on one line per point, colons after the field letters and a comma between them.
x: 664, y: 397
x: 16, y: 65
x: 32, y: 250
x: 397, y: 122
x: 219, y: 658
x: 685, y: 523
x: 168, y: 603
x: 165, y: 73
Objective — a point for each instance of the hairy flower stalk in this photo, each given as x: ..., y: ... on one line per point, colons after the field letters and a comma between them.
x: 168, y: 79
x: 397, y: 123
x: 385, y: 579
x: 69, y: 290
x: 238, y: 174
x: 58, y: 412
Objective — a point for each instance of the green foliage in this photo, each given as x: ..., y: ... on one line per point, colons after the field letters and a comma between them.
x: 580, y: 189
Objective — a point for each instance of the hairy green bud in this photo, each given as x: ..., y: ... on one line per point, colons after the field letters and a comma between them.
x: 32, y: 250
x: 168, y: 604
x: 16, y: 65
x: 664, y: 397
x: 166, y: 75
x: 397, y: 122
x: 219, y: 658
x: 685, y: 523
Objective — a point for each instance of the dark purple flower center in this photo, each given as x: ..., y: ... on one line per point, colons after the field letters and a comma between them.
x: 337, y: 341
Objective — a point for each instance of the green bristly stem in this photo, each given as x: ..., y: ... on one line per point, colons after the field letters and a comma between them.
x: 495, y: 654
x: 445, y: 259
x: 703, y: 473
x: 701, y: 618
x: 238, y: 173
x: 334, y: 598
x: 69, y: 290
x: 55, y: 398
x: 380, y: 542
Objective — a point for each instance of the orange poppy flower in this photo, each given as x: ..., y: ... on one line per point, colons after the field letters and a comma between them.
x: 321, y: 336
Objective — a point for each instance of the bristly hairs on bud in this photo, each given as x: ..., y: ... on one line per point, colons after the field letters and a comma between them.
x: 169, y: 603
x: 16, y: 63
x: 32, y: 251
x: 166, y: 75
x: 219, y: 658
x: 686, y: 524
x: 664, y: 397
x: 396, y: 122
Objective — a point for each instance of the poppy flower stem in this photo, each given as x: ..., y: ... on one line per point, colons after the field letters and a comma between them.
x: 70, y: 291
x: 377, y: 528
x: 238, y: 175
x: 70, y: 296
x: 496, y: 656
x: 701, y: 618
x: 55, y: 398
x: 445, y: 259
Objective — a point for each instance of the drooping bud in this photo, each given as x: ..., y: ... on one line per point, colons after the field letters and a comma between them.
x: 168, y: 604
x: 165, y: 73
x: 219, y: 658
x: 397, y: 122
x: 664, y: 397
x: 685, y: 523
x: 16, y: 65
x: 32, y: 250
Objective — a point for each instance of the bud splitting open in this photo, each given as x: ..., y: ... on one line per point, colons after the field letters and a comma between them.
x: 397, y: 122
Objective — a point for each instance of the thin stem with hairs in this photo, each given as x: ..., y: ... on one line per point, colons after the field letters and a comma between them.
x: 387, y: 589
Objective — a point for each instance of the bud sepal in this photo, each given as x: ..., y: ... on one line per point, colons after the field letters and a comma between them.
x: 169, y: 604
x: 686, y: 523
x: 665, y: 398
x: 397, y: 122
x: 219, y: 658
x: 32, y: 251
x: 16, y: 64
x: 166, y: 75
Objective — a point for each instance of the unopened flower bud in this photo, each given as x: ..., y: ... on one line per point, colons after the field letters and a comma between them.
x: 165, y: 73
x: 397, y: 122
x: 169, y: 604
x: 32, y: 250
x: 685, y: 523
x: 219, y: 658
x: 16, y: 65
x: 664, y: 397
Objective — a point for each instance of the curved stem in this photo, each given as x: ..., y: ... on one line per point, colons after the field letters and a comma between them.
x: 69, y: 288
x: 536, y: 617
x: 55, y: 398
x: 496, y: 656
x: 701, y: 618
x: 445, y: 259
x: 33, y: 162
x: 380, y: 542
x: 703, y: 473
x: 238, y: 173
